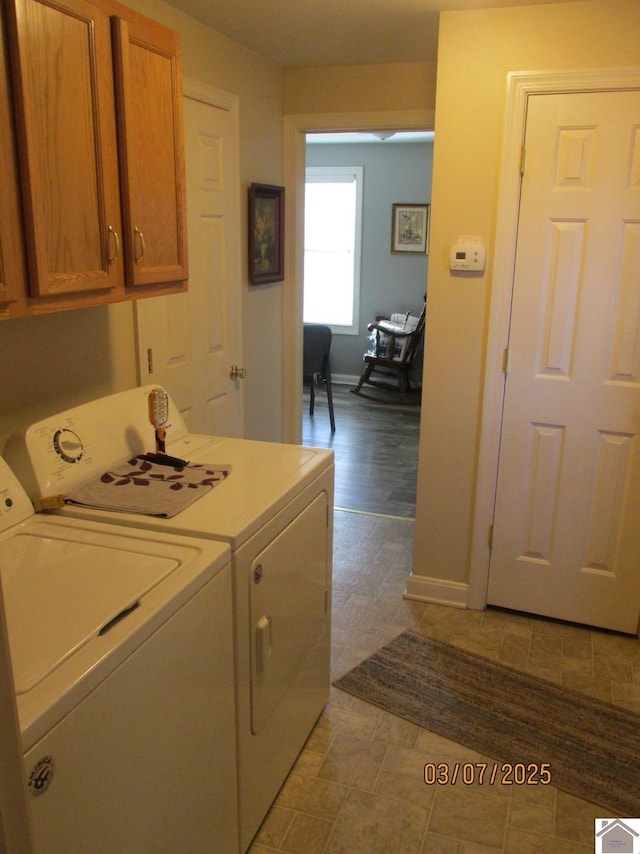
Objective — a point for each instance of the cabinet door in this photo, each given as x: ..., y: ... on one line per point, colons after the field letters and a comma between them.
x: 150, y: 133
x: 12, y: 278
x: 63, y: 85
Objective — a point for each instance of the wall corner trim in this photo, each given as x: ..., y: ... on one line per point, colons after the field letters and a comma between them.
x: 421, y: 588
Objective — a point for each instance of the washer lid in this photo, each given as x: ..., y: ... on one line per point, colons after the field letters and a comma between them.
x: 60, y: 593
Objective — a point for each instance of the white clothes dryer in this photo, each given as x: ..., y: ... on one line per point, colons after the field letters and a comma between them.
x: 275, y: 512
x: 121, y: 649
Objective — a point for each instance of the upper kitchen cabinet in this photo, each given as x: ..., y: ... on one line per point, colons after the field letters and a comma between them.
x: 98, y: 119
x: 152, y: 157
x: 11, y: 250
x: 68, y: 159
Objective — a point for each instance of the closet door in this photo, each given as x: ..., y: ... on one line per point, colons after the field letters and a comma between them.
x: 65, y: 114
x: 566, y: 539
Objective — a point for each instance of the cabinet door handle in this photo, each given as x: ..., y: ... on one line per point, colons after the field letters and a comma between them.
x: 116, y: 242
x: 140, y: 237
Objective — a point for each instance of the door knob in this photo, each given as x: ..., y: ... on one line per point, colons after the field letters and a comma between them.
x: 237, y: 373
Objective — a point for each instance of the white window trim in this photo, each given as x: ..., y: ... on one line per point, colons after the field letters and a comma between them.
x: 357, y: 172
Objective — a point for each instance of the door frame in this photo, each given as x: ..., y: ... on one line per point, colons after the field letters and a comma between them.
x: 520, y: 86
x: 198, y: 91
x: 296, y: 127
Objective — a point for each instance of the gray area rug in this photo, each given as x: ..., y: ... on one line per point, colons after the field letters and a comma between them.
x: 592, y: 747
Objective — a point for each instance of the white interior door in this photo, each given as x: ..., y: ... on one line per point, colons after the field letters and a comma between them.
x: 189, y: 343
x: 566, y: 539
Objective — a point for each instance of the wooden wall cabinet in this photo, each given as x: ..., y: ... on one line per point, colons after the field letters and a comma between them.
x: 12, y: 272
x: 97, y: 103
x: 151, y: 143
x: 68, y: 160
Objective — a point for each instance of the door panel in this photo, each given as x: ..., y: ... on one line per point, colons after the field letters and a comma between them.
x: 153, y: 193
x: 188, y: 342
x: 288, y: 609
x: 566, y: 540
x: 66, y: 131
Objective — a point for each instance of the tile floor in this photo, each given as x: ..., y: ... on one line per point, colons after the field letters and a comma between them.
x: 358, y: 786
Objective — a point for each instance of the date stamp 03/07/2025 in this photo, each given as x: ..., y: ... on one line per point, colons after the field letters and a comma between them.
x: 487, y: 773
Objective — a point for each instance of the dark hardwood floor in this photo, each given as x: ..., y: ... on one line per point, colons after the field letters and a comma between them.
x: 376, y: 450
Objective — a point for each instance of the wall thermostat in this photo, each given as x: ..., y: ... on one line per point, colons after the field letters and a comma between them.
x: 467, y: 257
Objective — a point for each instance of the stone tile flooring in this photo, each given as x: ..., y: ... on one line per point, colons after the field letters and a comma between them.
x: 358, y: 785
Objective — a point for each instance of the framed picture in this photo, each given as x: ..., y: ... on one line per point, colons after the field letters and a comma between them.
x: 266, y: 234
x: 410, y: 228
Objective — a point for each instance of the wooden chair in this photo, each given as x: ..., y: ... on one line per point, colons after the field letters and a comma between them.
x: 316, y: 364
x: 392, y: 355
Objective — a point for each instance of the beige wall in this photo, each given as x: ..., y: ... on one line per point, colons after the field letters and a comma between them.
x: 50, y: 363
x: 360, y: 88
x: 476, y: 50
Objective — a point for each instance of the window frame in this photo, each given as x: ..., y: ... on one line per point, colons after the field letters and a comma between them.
x: 325, y: 174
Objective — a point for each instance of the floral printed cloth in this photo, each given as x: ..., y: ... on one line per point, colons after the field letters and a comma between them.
x: 140, y: 486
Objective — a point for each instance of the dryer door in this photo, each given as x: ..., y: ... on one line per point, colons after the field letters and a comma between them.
x: 288, y: 608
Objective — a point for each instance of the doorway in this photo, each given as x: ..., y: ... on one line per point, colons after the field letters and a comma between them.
x: 296, y: 129
x: 189, y: 342
x: 376, y: 443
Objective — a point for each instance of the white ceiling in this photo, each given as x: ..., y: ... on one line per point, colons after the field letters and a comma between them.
x: 373, y: 136
x: 334, y: 32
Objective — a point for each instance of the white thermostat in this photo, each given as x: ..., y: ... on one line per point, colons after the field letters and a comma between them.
x: 467, y: 257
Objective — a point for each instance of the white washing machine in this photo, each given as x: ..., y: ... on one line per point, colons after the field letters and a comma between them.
x: 275, y: 511
x: 121, y: 647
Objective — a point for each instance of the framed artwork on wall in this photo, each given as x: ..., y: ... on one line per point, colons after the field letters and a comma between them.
x: 410, y: 228
x: 266, y: 234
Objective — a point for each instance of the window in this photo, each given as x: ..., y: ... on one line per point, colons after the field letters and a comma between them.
x: 332, y: 237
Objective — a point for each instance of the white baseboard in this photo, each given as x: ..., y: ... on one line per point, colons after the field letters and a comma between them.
x: 437, y: 590
x: 344, y: 379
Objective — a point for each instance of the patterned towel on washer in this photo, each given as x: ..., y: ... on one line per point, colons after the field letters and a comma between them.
x: 140, y: 486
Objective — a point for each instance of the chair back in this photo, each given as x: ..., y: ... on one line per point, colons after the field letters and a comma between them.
x: 414, y: 341
x: 392, y: 342
x: 395, y: 345
x: 316, y: 349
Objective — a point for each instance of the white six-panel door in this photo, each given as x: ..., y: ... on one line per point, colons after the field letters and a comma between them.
x: 189, y: 343
x: 566, y: 538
